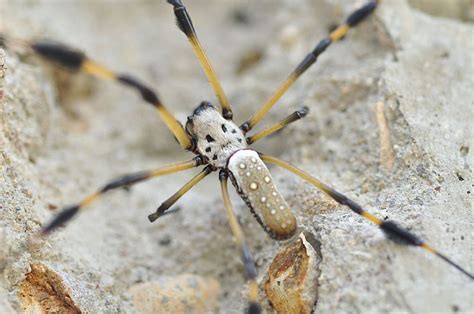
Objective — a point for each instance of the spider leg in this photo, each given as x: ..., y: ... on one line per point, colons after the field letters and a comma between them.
x: 68, y: 212
x: 392, y: 230
x: 77, y: 61
x: 249, y: 265
x: 353, y: 19
x: 186, y: 26
x: 176, y: 196
x: 295, y: 116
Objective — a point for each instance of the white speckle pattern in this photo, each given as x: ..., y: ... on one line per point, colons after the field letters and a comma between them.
x: 213, y: 142
x: 242, y: 166
x: 258, y: 190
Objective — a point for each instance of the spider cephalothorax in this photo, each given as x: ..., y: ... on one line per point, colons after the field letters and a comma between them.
x: 223, y: 145
x: 220, y: 144
x: 214, y: 137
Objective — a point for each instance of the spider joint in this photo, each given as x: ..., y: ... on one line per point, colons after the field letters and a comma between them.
x: 227, y: 114
x: 245, y: 127
x: 223, y: 175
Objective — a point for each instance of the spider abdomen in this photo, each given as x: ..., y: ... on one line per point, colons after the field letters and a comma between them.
x: 254, y: 184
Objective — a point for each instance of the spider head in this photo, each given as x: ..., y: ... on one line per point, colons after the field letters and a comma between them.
x: 216, y: 138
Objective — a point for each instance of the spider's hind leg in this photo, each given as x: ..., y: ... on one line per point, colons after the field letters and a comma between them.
x: 247, y: 259
x: 393, y: 231
x: 124, y: 181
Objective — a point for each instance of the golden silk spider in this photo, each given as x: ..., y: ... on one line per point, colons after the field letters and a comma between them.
x: 220, y: 144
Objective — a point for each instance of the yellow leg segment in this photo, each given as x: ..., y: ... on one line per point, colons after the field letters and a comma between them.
x: 185, y: 24
x: 176, y: 196
x: 249, y: 265
x: 211, y: 76
x: 339, y: 32
x: 390, y: 228
x: 75, y: 60
x: 295, y: 116
x: 95, y: 69
x: 67, y: 213
x: 262, y: 112
x: 356, y: 17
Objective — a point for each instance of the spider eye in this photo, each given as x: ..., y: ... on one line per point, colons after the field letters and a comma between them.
x: 224, y: 129
x: 209, y: 139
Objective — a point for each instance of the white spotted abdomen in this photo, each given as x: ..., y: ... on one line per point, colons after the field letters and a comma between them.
x: 255, y: 185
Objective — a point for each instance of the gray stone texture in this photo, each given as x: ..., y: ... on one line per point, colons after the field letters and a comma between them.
x: 61, y: 136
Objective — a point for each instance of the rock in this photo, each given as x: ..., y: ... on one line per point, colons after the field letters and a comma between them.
x: 58, y: 144
x: 44, y: 291
x: 292, y: 285
x: 5, y: 306
x: 456, y: 9
x: 185, y: 293
x: 3, y: 68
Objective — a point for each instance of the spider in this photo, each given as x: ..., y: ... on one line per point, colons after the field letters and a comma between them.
x: 222, y: 145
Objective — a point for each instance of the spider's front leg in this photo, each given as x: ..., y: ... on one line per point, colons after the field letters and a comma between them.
x: 76, y: 61
x: 185, y: 24
x: 295, y: 116
x: 249, y: 265
x: 352, y: 20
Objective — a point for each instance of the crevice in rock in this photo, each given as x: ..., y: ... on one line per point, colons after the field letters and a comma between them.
x: 44, y: 291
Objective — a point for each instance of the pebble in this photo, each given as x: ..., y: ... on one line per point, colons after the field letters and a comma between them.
x: 292, y: 285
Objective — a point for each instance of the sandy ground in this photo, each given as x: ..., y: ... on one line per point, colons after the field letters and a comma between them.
x: 62, y: 136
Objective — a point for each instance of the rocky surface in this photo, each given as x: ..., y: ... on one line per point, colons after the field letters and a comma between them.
x: 185, y: 293
x: 292, y: 285
x: 62, y: 136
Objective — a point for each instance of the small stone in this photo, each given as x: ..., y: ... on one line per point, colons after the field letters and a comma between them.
x: 186, y: 293
x: 165, y: 240
x: 292, y: 285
